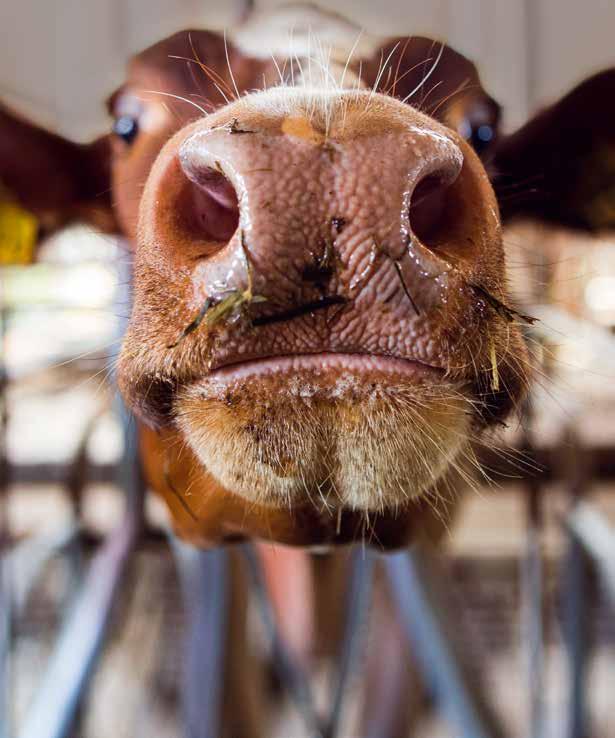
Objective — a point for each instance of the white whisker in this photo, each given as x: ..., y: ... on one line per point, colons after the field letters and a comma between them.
x: 349, y: 59
x: 182, y: 99
x: 427, y: 76
x: 228, y: 63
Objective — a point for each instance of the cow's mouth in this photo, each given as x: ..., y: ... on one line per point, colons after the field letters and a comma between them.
x: 323, y: 364
x: 359, y: 431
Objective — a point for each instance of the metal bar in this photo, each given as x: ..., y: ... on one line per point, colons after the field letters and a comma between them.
x: 5, y: 647
x: 50, y: 473
x: 357, y: 603
x: 532, y: 630
x: 55, y: 704
x: 204, y: 578
x: 593, y: 532
x: 532, y: 627
x: 590, y: 537
x: 291, y: 674
x: 27, y: 560
x: 575, y: 635
x: 5, y: 582
x: 576, y: 592
x: 419, y: 589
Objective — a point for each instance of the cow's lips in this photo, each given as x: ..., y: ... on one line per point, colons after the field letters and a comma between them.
x: 327, y: 362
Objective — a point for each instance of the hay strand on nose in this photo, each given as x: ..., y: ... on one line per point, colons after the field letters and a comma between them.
x: 495, y: 376
x: 218, y: 309
x: 504, y: 311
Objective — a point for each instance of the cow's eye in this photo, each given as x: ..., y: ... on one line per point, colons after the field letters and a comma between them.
x: 126, y: 127
x: 478, y: 136
x: 481, y: 137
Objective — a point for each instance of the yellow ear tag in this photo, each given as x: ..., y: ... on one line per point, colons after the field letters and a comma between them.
x: 18, y: 230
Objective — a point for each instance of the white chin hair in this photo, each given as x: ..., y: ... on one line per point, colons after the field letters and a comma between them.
x: 364, y: 446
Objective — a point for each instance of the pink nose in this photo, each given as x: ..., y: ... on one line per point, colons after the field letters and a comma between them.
x: 283, y: 226
x: 313, y: 209
x: 285, y: 192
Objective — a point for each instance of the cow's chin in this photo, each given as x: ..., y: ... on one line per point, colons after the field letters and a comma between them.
x: 288, y: 432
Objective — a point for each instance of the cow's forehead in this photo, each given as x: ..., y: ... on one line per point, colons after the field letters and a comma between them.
x: 200, y: 65
x: 169, y: 61
x: 190, y: 44
x: 185, y: 58
x: 198, y: 71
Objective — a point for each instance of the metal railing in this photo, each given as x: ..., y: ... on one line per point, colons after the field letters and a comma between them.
x: 418, y: 584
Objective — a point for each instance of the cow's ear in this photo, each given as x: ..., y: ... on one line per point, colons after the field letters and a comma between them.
x: 560, y: 166
x: 52, y: 180
x: 438, y: 80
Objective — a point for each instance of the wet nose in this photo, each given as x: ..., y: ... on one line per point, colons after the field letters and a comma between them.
x: 239, y: 175
x: 300, y: 201
x: 212, y: 204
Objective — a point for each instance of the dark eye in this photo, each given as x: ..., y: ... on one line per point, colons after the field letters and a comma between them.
x: 478, y: 136
x: 481, y: 137
x: 126, y: 128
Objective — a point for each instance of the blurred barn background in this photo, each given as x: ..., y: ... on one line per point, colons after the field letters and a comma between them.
x: 60, y: 60
x: 64, y: 437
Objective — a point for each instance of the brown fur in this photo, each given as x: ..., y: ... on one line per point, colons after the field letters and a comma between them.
x: 60, y: 182
x: 560, y: 167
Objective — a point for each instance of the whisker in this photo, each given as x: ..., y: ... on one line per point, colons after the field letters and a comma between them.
x: 230, y: 71
x: 350, y: 55
x: 179, y: 97
x: 427, y: 76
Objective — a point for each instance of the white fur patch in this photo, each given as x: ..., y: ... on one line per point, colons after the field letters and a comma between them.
x: 351, y: 442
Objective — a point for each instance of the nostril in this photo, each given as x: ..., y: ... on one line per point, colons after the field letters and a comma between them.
x: 210, y: 207
x: 430, y: 210
x: 217, y: 186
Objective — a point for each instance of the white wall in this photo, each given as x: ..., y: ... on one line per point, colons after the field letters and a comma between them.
x: 59, y: 59
x: 573, y: 39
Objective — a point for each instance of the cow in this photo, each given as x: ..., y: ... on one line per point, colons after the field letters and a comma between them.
x: 359, y: 268
x: 321, y: 331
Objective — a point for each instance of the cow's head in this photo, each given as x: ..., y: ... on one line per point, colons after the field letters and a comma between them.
x: 320, y: 325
